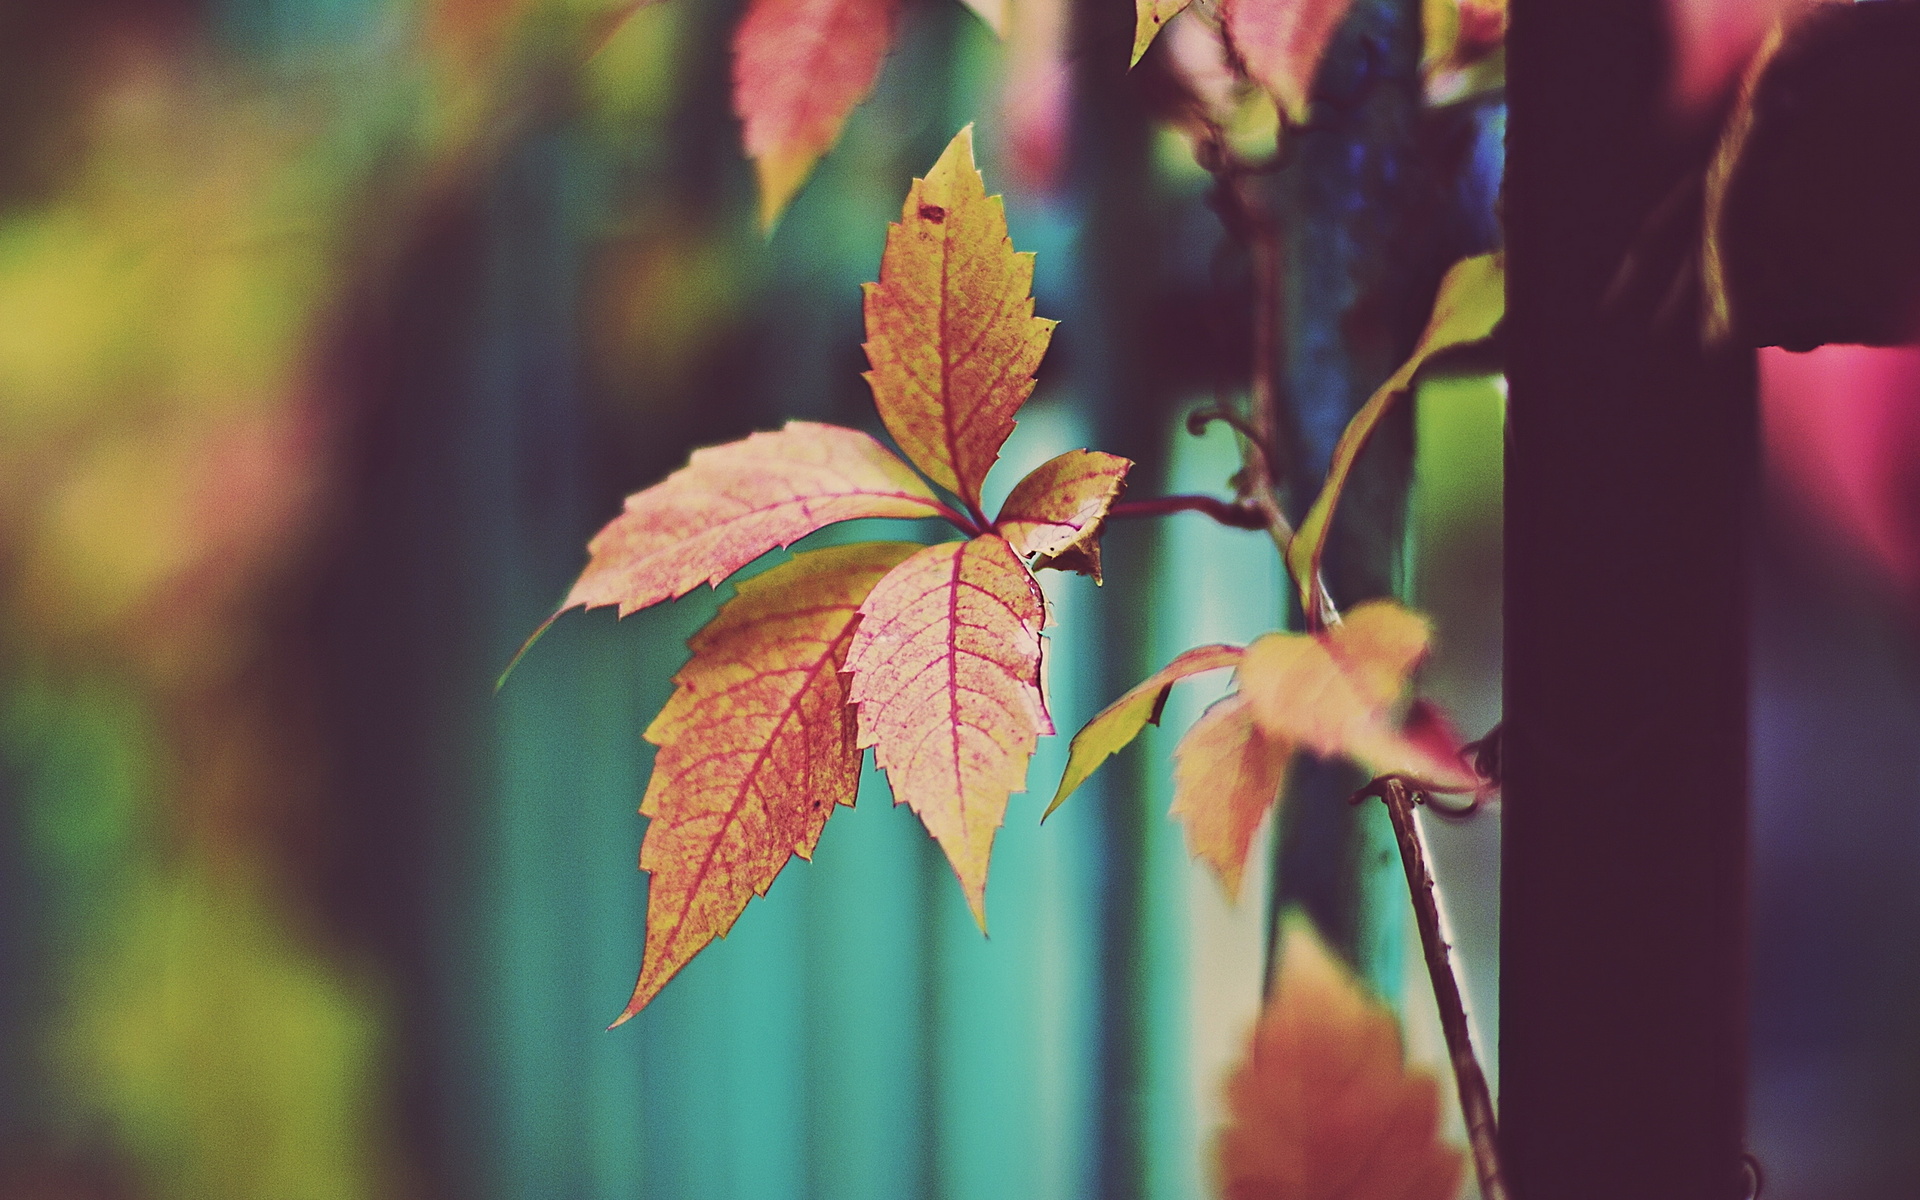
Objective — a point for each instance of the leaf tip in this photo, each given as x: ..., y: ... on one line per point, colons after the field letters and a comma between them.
x: 780, y: 174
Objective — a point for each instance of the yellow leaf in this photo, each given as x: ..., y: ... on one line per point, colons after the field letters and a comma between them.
x: 1323, y: 1106
x: 756, y: 749
x: 1470, y: 304
x: 1149, y: 18
x: 1226, y: 774
x: 950, y: 327
x: 1122, y: 721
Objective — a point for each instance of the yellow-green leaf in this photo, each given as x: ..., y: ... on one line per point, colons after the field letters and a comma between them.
x: 1471, y: 302
x: 1120, y: 722
x: 1149, y: 18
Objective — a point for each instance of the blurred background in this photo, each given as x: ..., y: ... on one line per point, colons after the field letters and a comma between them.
x: 329, y: 332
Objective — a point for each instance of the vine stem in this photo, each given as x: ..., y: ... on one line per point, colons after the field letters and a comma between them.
x: 1238, y: 516
x: 1483, y: 1133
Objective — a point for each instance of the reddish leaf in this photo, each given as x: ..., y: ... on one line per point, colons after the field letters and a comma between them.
x: 1059, y: 507
x: 1332, y: 692
x: 1281, y: 43
x: 946, y: 678
x: 730, y: 504
x: 1323, y: 1106
x: 1226, y: 774
x: 950, y: 327
x: 1470, y: 304
x: 799, y: 67
x: 756, y: 748
x: 1120, y: 722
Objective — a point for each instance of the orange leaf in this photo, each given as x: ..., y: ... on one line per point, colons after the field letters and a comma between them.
x: 950, y: 327
x: 1281, y: 43
x: 1331, y: 692
x: 756, y: 748
x: 799, y: 67
x: 946, y: 677
x: 1120, y: 722
x: 730, y: 504
x: 1058, y: 509
x: 1323, y: 1106
x: 1226, y: 774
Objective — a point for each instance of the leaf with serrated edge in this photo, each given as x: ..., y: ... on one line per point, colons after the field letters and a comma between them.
x: 756, y: 749
x: 1059, y: 506
x: 1281, y: 42
x: 946, y: 680
x: 1332, y: 693
x: 1471, y: 302
x: 951, y: 333
x: 730, y: 504
x: 1149, y: 18
x: 799, y: 67
x: 1120, y: 722
x: 1226, y: 774
x: 1323, y: 1105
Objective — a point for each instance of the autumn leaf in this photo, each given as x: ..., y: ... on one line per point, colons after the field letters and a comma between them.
x: 951, y: 333
x: 1463, y: 53
x: 1054, y: 514
x: 1323, y: 1106
x: 1332, y: 693
x: 946, y: 680
x: 1120, y: 722
x: 730, y: 504
x: 756, y: 749
x: 799, y: 67
x: 1149, y: 18
x: 993, y: 12
x: 1281, y: 42
x: 1226, y: 774
x: 1471, y: 302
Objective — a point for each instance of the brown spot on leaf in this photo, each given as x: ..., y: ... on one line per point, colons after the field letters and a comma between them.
x: 933, y: 212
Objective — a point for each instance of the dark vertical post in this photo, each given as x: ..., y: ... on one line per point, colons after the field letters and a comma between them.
x: 1629, y: 458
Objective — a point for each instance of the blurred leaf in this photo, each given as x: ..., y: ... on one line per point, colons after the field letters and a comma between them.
x: 799, y: 67
x: 1226, y: 775
x: 1281, y: 43
x: 756, y: 749
x: 950, y: 327
x: 1464, y: 48
x: 946, y: 678
x: 1120, y: 722
x: 1323, y: 1107
x: 1149, y: 18
x: 1470, y: 304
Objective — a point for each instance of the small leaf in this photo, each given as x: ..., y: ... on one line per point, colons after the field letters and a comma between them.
x: 756, y: 749
x: 1149, y: 18
x: 1059, y: 507
x: 730, y: 504
x: 1120, y: 722
x: 1332, y: 692
x: 799, y: 67
x: 946, y: 678
x: 950, y: 327
x: 1323, y: 1106
x: 1226, y: 774
x: 1281, y: 42
x: 1471, y: 302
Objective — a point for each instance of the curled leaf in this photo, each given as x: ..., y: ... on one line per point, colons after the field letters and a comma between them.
x: 951, y: 333
x: 730, y: 504
x: 1332, y: 693
x: 1323, y: 1106
x: 1281, y: 42
x: 1120, y: 722
x: 756, y: 749
x: 1226, y: 774
x: 1059, y: 507
x: 946, y: 679
x: 1470, y: 304
x: 799, y: 67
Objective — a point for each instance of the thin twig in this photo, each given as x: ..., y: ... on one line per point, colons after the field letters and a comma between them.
x: 1238, y: 516
x: 1483, y: 1133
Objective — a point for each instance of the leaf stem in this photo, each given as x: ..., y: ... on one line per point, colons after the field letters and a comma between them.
x: 972, y: 525
x: 1238, y: 516
x: 1476, y: 1105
